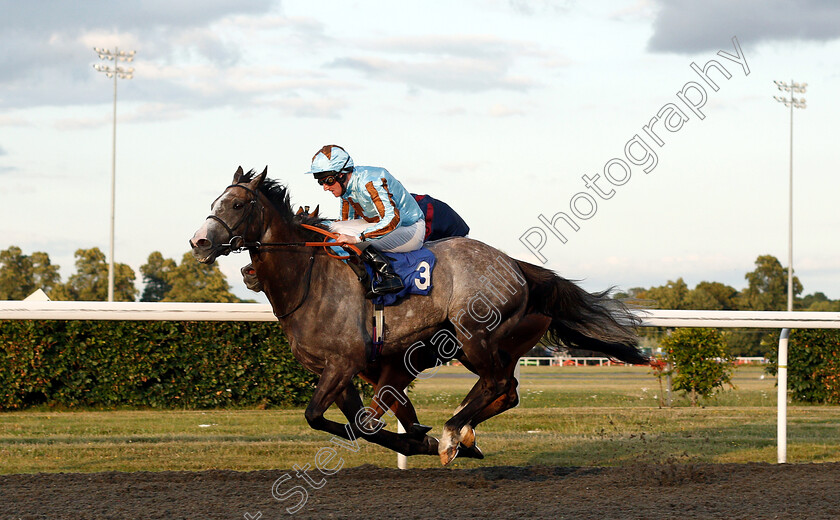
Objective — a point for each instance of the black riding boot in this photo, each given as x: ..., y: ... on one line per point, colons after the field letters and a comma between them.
x: 389, y: 281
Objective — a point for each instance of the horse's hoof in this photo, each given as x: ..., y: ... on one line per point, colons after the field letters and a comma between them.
x: 429, y: 445
x: 468, y: 436
x: 470, y: 452
x: 418, y: 431
x: 448, y: 455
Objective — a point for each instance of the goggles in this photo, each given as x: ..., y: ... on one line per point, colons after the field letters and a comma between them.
x: 328, y: 180
x: 331, y: 177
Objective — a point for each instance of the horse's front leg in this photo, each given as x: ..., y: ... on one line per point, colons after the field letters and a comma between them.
x: 330, y: 387
x: 389, y: 394
x: 335, y: 387
x: 366, y: 424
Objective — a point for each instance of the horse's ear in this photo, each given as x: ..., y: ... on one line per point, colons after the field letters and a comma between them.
x: 238, y: 175
x: 315, y: 212
x: 259, y: 179
x: 299, y: 211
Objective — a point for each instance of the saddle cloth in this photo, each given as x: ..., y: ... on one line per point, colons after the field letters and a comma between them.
x: 415, y: 268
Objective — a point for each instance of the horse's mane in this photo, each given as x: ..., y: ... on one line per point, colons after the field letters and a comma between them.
x: 278, y: 195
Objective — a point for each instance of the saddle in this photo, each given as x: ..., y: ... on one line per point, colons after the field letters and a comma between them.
x: 414, y: 268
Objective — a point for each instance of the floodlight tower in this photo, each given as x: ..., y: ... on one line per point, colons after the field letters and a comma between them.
x: 792, y: 102
x: 122, y: 73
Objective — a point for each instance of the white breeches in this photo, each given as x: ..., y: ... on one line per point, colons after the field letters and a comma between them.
x: 401, y: 240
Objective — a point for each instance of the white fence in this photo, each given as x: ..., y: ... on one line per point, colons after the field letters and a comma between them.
x: 559, y: 361
x: 14, y: 310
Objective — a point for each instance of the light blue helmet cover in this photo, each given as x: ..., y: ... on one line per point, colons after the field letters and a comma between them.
x: 330, y: 158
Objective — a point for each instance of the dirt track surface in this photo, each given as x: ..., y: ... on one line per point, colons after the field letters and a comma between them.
x: 730, y: 491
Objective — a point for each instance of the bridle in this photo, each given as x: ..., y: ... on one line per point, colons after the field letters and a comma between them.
x: 237, y: 243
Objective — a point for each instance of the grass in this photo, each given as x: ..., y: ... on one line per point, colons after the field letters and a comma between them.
x: 570, y: 416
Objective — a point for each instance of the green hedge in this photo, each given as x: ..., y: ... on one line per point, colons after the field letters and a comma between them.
x: 160, y: 364
x: 813, y: 365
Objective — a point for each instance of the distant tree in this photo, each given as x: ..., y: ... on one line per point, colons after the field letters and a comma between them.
x: 810, y: 299
x: 21, y: 275
x: 193, y: 281
x: 633, y: 293
x: 827, y: 306
x: 90, y: 282
x: 818, y: 302
x: 750, y: 342
x: 702, y: 364
x: 157, y: 272
x: 767, y: 289
x: 712, y: 296
x: 672, y: 295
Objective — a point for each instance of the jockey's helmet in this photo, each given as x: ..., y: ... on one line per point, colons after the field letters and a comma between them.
x: 330, y: 160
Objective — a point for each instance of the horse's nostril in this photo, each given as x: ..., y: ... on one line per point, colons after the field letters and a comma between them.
x: 201, y: 242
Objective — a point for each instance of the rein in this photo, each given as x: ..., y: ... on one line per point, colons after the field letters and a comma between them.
x: 237, y: 243
x: 306, y: 289
x: 238, y: 246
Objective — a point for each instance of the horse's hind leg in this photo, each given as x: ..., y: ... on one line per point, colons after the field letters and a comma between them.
x: 518, y: 342
x: 486, y: 390
x: 505, y: 402
x: 522, y: 339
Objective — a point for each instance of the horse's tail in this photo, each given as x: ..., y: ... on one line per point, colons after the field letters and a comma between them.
x: 580, y: 319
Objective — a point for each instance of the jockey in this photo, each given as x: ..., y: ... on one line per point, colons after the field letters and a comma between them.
x: 377, y: 213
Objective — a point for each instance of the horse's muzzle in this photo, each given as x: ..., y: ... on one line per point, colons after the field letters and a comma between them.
x: 203, y: 250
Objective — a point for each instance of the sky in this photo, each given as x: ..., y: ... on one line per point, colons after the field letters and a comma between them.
x: 519, y: 114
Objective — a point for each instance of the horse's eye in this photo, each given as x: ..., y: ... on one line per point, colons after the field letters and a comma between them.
x: 238, y: 205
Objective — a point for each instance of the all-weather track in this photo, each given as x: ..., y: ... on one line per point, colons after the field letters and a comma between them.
x: 634, y: 491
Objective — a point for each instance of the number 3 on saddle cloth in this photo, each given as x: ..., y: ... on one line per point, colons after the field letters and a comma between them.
x: 415, y: 268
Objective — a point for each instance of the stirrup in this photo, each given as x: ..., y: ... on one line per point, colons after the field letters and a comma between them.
x: 388, y: 285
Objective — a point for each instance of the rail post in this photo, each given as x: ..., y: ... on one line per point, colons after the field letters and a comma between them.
x: 781, y: 404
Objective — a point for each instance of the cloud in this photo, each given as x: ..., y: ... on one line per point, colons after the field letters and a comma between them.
x: 499, y: 110
x: 641, y: 10
x: 125, y: 15
x: 9, y: 120
x: 540, y: 7
x: 688, y: 27
x: 82, y: 123
x: 471, y: 46
x: 465, y: 75
x: 461, y: 167
x: 454, y: 112
x: 45, y: 51
x: 329, y: 108
x: 471, y: 63
x: 192, y: 55
x: 2, y: 152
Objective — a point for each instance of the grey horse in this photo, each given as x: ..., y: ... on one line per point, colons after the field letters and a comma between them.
x: 485, y: 309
